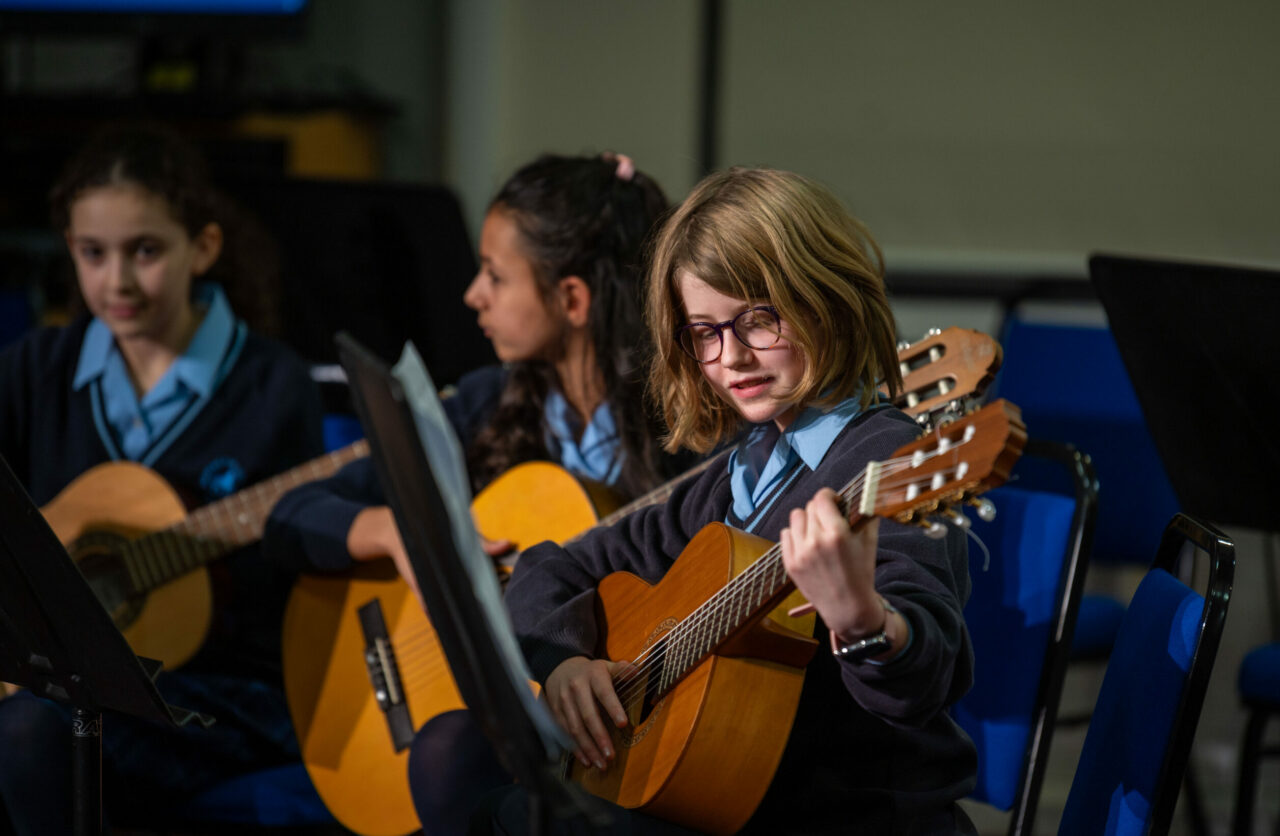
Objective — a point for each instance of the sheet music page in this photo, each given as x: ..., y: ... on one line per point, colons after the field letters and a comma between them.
x: 448, y: 466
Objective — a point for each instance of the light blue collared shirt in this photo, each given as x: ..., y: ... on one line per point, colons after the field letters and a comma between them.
x: 139, y: 429
x: 597, y: 454
x: 766, y: 460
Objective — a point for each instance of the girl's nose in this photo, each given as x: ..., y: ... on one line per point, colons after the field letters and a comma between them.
x: 733, y: 354
x: 472, y: 297
x: 120, y: 273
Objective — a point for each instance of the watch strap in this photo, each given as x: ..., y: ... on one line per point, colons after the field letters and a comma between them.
x: 867, y: 646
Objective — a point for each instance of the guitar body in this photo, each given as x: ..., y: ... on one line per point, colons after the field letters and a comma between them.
x: 341, y: 730
x: 94, y: 517
x: 343, y: 734
x: 736, y: 707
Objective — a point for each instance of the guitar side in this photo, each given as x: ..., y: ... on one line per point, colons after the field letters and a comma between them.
x: 670, y: 758
x: 341, y: 730
x: 117, y: 502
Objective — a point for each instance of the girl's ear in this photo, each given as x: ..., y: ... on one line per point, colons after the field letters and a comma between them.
x: 575, y: 300
x: 208, y: 246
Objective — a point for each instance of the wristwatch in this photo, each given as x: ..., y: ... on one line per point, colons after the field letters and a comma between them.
x: 868, y: 646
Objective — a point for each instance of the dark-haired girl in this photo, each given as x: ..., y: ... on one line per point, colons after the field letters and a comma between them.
x: 558, y: 294
x: 161, y: 371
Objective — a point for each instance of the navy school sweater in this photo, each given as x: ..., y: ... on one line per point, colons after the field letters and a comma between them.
x: 263, y: 419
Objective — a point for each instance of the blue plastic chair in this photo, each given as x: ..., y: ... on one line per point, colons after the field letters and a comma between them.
x: 1021, y: 615
x: 1072, y: 387
x: 1139, y: 740
x: 1259, y: 686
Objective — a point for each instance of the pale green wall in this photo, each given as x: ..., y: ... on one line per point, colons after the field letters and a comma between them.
x: 1005, y: 127
x: 1017, y: 135
x: 569, y: 77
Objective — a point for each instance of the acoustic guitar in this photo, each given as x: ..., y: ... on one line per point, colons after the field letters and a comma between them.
x: 717, y: 666
x: 356, y: 700
x: 144, y: 556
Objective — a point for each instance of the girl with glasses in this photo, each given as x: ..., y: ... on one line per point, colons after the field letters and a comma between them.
x: 768, y: 310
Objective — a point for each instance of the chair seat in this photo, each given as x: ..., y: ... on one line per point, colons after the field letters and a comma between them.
x: 1096, y: 627
x: 280, y: 796
x: 1259, y: 680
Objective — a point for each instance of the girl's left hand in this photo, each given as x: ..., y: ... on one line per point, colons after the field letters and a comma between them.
x: 834, y: 565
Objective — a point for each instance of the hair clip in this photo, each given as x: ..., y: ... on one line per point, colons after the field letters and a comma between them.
x: 626, y: 169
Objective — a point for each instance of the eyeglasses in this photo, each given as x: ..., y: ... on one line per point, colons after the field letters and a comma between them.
x: 758, y: 327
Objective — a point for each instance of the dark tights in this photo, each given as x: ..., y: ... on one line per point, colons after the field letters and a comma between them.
x: 452, y: 767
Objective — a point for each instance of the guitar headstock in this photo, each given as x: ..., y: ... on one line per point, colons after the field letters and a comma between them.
x: 945, y: 369
x: 950, y: 464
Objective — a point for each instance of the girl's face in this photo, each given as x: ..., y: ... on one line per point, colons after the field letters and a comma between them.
x: 755, y: 381
x: 135, y: 262
x: 508, y: 297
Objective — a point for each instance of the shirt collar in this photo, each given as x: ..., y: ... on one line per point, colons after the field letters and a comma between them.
x: 596, y: 453
x: 197, y: 367
x: 814, y: 430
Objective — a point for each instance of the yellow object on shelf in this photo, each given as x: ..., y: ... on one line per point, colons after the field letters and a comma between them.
x: 326, y: 143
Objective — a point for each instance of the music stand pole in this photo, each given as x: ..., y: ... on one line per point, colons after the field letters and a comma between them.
x: 86, y: 772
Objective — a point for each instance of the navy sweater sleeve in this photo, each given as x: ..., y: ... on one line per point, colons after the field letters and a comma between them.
x: 307, y: 528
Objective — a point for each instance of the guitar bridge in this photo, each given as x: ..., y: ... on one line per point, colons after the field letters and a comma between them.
x: 384, y: 674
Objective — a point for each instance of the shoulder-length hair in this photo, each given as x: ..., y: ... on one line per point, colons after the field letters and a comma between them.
x: 770, y: 237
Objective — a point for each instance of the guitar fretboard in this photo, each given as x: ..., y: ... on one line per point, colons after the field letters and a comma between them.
x: 215, y: 529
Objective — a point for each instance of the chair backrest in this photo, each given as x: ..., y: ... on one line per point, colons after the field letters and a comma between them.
x: 1135, y: 752
x: 1072, y: 386
x: 1023, y: 607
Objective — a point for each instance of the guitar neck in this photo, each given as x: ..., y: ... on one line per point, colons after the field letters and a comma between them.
x: 218, y: 528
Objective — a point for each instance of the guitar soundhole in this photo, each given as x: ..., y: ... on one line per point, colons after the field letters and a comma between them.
x: 642, y: 692
x: 97, y: 556
x: 642, y: 710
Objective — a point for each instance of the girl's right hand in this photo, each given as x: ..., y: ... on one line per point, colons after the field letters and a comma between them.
x: 576, y: 691
x: 374, y: 534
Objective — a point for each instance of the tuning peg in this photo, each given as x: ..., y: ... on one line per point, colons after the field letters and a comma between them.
x: 986, y: 509
x: 958, y: 519
x: 935, y: 530
x: 903, y: 345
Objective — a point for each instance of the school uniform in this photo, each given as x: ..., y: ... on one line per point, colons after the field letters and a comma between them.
x: 873, y: 748
x: 233, y: 409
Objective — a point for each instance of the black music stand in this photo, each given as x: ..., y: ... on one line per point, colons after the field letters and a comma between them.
x: 57, y: 641
x: 521, y: 730
x: 1203, y: 353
